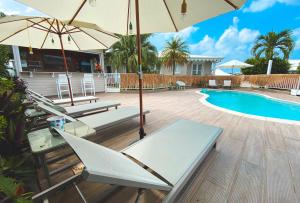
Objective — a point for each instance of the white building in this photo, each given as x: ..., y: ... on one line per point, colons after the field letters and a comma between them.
x: 197, y: 65
x: 294, y: 65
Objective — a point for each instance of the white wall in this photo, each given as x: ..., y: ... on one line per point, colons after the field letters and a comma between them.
x: 45, y: 84
x: 187, y: 69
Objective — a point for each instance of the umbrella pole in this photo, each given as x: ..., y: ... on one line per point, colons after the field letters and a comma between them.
x: 66, y: 67
x: 138, y: 41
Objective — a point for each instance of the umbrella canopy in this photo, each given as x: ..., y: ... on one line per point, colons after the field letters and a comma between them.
x: 47, y: 33
x: 234, y: 64
x: 43, y: 33
x: 118, y: 16
x: 121, y: 16
x: 219, y: 72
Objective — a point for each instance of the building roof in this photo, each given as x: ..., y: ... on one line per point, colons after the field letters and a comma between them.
x: 205, y: 56
x: 294, y: 64
x: 215, y: 59
x: 193, y: 57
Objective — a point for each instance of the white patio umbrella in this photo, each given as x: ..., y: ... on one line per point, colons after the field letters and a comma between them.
x: 47, y: 33
x: 121, y: 16
x: 219, y: 72
x: 234, y: 64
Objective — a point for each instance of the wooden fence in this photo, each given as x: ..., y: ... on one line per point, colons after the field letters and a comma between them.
x: 157, y: 81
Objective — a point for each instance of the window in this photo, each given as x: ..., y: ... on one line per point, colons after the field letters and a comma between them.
x: 197, y: 69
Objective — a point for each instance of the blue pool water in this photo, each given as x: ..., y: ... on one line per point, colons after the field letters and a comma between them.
x: 253, y: 104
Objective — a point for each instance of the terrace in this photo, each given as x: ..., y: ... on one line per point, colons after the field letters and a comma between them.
x: 255, y: 160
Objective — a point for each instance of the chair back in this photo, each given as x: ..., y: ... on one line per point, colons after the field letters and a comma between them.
x: 227, y: 83
x: 62, y: 78
x: 88, y: 77
x: 212, y: 83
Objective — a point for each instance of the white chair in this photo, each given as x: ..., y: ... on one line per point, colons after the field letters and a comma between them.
x: 88, y: 84
x: 180, y: 84
x: 295, y: 92
x: 62, y: 85
x: 212, y: 83
x: 227, y: 83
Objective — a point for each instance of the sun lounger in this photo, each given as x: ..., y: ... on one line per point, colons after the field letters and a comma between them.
x: 295, y: 92
x: 174, y: 153
x: 212, y: 83
x: 100, y: 121
x: 36, y: 95
x: 75, y: 99
x: 78, y: 110
x: 227, y: 83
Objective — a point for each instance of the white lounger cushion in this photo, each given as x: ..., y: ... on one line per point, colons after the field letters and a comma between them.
x: 180, y: 83
x: 295, y: 92
x: 90, y: 107
x: 227, y: 83
x: 75, y: 99
x: 107, y: 166
x: 51, y: 110
x: 110, y: 118
x: 172, y: 151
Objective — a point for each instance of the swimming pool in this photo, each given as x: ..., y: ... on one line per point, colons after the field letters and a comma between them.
x: 254, y: 105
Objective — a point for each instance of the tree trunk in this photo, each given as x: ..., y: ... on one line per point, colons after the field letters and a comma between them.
x: 174, y: 64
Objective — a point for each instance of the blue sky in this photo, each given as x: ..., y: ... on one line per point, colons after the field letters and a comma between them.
x: 230, y: 35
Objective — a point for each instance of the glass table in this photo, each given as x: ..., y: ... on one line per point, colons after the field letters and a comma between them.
x: 42, y: 142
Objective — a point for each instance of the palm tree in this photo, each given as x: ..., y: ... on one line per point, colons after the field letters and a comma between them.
x: 175, y: 52
x: 124, y: 53
x: 272, y: 44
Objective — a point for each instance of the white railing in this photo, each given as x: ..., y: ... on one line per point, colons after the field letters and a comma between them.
x: 112, y: 82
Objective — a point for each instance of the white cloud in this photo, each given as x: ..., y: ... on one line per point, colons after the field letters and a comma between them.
x: 29, y: 10
x: 233, y: 43
x: 8, y: 11
x: 159, y: 39
x: 261, y: 5
x: 296, y: 33
x: 185, y: 33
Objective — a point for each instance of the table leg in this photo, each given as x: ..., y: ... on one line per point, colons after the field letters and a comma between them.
x: 45, y: 168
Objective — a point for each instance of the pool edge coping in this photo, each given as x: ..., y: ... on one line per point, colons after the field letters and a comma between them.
x: 263, y: 118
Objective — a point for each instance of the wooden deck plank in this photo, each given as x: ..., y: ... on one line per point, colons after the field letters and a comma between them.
x: 248, y: 185
x: 248, y: 150
x: 279, y: 186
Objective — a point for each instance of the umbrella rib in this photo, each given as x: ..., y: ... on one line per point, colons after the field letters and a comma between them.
x: 42, y: 29
x: 231, y: 4
x: 55, y: 30
x: 74, y: 28
x: 93, y: 37
x: 47, y: 33
x: 18, y: 20
x: 77, y: 11
x: 73, y: 40
x: 127, y: 17
x: 20, y: 31
x: 39, y: 25
x: 170, y: 15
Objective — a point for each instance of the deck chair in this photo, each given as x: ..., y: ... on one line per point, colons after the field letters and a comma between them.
x: 179, y: 150
x: 295, y: 92
x: 75, y: 111
x: 100, y: 121
x: 212, y: 83
x: 61, y: 101
x: 227, y: 83
x: 180, y: 84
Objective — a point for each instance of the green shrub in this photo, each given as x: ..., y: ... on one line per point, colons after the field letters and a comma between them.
x: 279, y: 66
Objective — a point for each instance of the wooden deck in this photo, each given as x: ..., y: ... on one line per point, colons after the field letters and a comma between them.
x: 255, y: 161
